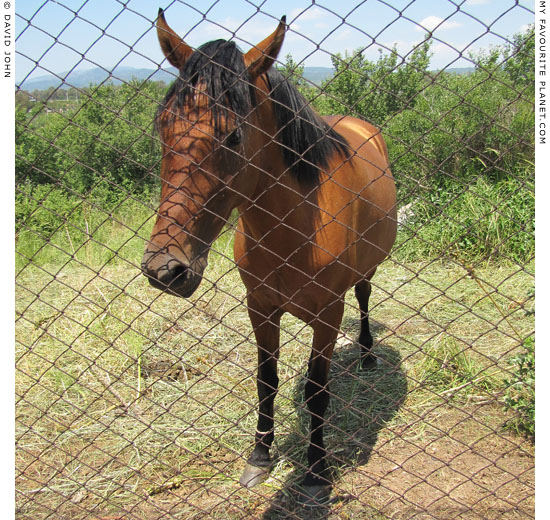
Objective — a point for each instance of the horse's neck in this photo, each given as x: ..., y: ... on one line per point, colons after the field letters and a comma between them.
x: 280, y: 211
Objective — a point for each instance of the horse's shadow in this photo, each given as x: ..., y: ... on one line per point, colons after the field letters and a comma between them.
x: 362, y: 402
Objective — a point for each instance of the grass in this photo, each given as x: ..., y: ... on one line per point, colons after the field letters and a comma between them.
x: 484, y: 220
x: 134, y: 403
x: 520, y: 394
x: 55, y: 229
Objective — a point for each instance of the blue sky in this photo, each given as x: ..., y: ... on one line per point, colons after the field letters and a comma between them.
x: 63, y: 34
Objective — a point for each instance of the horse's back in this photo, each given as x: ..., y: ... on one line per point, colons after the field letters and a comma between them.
x: 360, y: 195
x: 362, y: 130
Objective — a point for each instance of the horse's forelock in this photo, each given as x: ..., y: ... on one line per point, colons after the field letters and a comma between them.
x: 216, y: 70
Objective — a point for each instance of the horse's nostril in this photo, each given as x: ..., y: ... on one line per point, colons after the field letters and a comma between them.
x: 172, y: 273
x: 165, y: 272
x: 179, y: 272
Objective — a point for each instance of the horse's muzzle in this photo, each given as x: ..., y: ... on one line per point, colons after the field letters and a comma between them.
x: 165, y: 272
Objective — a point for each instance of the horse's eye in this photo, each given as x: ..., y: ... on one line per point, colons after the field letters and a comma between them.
x: 234, y: 138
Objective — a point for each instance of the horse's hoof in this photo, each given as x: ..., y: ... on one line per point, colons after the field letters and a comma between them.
x: 254, y: 475
x: 368, y: 362
x: 314, y: 496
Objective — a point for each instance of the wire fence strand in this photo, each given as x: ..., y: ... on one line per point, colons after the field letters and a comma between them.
x: 133, y: 403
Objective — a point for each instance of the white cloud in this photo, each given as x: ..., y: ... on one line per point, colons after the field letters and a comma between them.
x: 431, y: 22
x: 309, y: 14
x: 343, y: 34
x: 443, y: 55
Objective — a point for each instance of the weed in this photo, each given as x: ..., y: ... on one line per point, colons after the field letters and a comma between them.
x: 520, y: 394
x: 451, y: 367
x: 484, y: 221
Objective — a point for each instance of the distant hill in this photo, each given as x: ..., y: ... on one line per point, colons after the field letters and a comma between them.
x: 460, y: 70
x: 85, y: 78
x: 317, y: 74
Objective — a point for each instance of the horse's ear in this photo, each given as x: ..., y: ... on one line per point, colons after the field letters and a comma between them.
x: 261, y: 57
x: 174, y: 48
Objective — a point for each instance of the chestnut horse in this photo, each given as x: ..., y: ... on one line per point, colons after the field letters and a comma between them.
x: 316, y: 204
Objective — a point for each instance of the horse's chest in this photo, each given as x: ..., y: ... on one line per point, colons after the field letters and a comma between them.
x: 295, y: 283
x: 294, y: 268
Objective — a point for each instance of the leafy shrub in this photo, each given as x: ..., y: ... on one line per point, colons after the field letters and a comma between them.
x: 486, y: 221
x: 374, y: 90
x: 464, y: 157
x: 462, y: 127
x: 109, y: 140
x: 448, y: 365
x: 520, y: 395
x: 43, y: 208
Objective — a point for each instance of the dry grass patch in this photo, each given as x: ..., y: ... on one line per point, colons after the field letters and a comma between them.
x: 137, y: 404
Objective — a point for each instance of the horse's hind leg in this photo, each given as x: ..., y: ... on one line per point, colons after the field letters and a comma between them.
x: 362, y: 293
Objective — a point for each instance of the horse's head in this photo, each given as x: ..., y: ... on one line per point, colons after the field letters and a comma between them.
x: 209, y: 128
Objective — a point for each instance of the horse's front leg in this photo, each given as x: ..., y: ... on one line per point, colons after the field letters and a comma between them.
x: 316, y: 485
x: 265, y: 323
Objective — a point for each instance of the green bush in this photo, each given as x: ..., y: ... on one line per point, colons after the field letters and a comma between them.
x: 464, y: 157
x: 76, y: 172
x: 462, y: 127
x: 520, y: 395
x: 486, y: 221
x: 43, y: 208
x: 108, y: 140
x: 373, y: 90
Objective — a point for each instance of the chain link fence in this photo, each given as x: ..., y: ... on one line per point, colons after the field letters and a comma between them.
x: 132, y: 403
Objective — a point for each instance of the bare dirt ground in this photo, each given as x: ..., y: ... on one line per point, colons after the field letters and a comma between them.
x: 455, y: 471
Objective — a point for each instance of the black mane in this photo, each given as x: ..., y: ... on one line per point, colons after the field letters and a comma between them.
x: 307, y: 141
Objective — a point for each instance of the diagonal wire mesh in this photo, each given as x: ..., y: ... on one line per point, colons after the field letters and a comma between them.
x: 134, y: 404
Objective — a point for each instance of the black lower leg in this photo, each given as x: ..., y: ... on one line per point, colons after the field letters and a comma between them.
x: 266, y: 329
x: 362, y: 293
x: 316, y: 484
x: 317, y: 398
x: 267, y: 390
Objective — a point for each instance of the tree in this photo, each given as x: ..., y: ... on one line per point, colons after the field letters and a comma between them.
x: 108, y: 141
x: 23, y: 100
x: 294, y: 72
x: 376, y: 90
x: 519, y: 59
